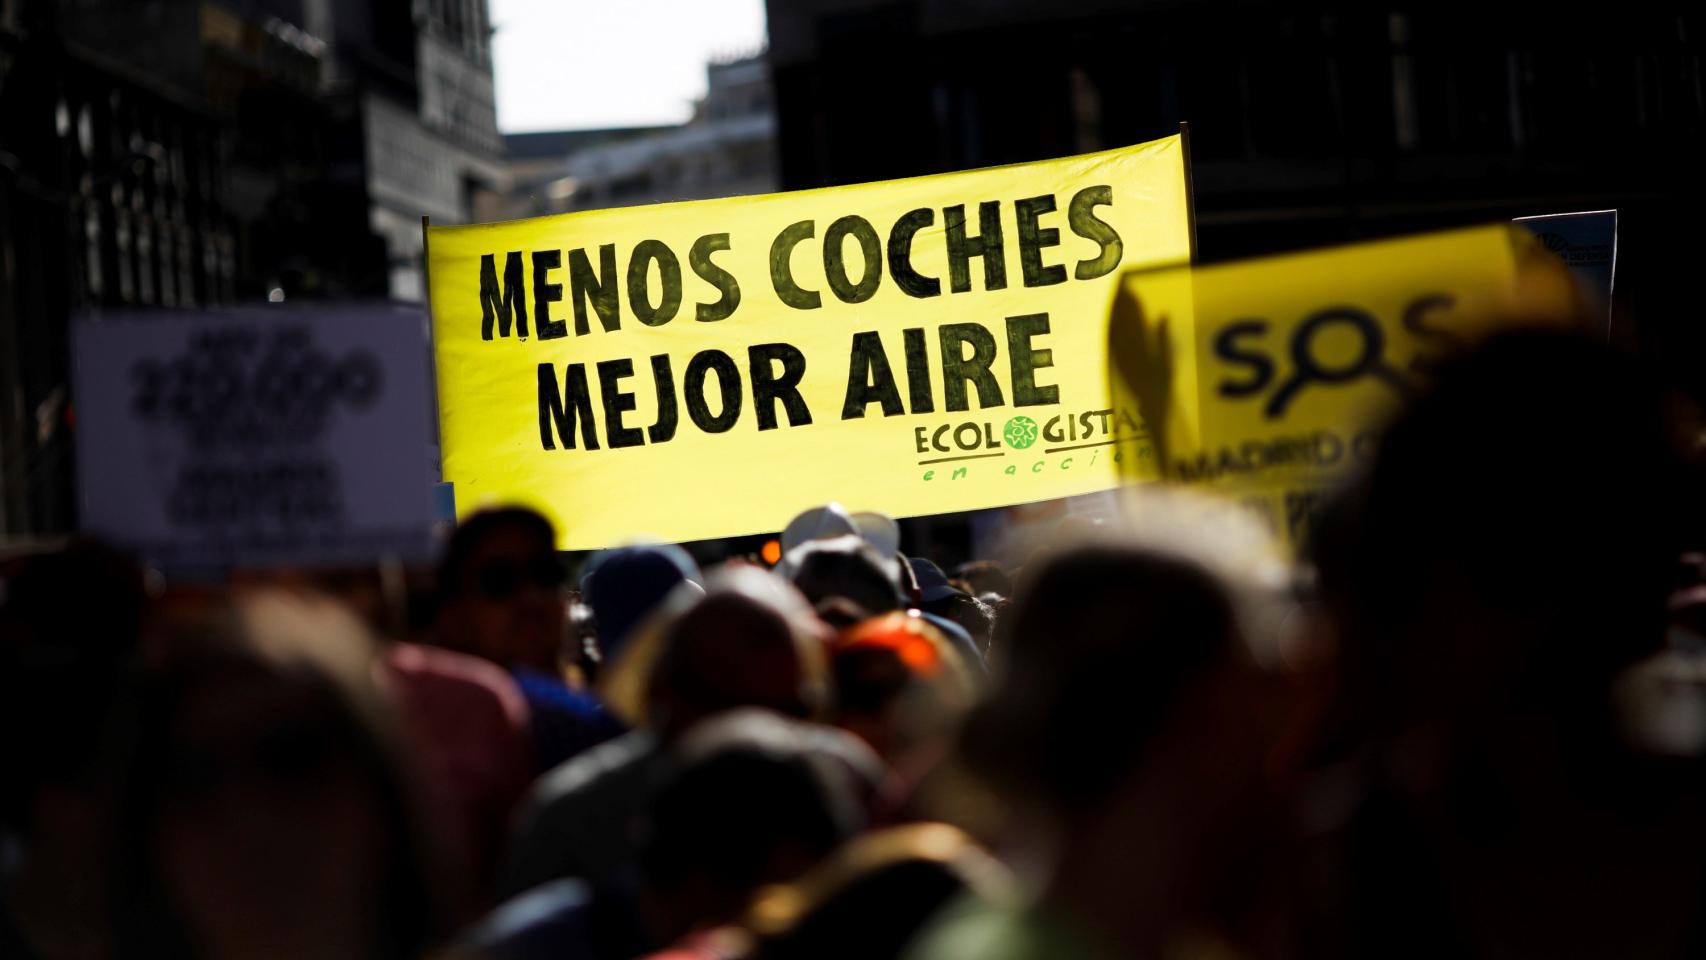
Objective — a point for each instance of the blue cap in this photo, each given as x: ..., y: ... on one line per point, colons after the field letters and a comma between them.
x: 933, y: 584
x: 626, y: 585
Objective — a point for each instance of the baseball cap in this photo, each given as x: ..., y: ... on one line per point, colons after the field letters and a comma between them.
x: 833, y: 520
x: 933, y: 584
x: 626, y: 584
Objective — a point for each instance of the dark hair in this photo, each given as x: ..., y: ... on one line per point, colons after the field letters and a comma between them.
x: 985, y: 576
x: 872, y: 898
x: 730, y: 650
x: 977, y: 617
x: 747, y: 786
x: 840, y: 613
x: 878, y: 662
x: 847, y: 568
x: 1100, y: 645
x: 873, y: 915
x: 471, y: 533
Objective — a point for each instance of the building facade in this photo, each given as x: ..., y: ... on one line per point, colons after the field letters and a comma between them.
x: 190, y: 153
x: 538, y: 164
x: 726, y: 149
x: 432, y: 150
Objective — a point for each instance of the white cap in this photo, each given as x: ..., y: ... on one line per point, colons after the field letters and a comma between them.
x: 818, y: 523
x: 833, y: 520
x: 879, y: 530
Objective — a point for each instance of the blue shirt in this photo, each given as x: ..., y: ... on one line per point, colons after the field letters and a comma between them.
x: 565, y: 722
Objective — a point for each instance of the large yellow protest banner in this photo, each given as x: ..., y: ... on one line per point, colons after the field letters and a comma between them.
x: 708, y: 369
x: 1270, y: 380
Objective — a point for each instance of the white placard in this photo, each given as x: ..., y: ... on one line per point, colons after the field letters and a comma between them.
x: 257, y: 437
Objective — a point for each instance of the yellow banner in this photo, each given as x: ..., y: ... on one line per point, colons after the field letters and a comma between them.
x: 709, y: 369
x: 1270, y: 379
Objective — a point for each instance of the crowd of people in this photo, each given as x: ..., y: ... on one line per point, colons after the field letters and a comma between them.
x: 1470, y: 720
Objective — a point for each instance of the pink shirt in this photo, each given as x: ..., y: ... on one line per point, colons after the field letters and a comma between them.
x: 467, y: 729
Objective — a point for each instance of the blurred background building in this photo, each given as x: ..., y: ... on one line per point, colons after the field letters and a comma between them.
x: 1311, y: 123
x: 180, y: 153
x: 539, y: 164
x: 726, y: 149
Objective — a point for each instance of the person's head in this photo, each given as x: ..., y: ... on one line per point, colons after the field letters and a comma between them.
x: 499, y: 585
x: 939, y: 598
x: 1104, y: 645
x: 985, y: 577
x: 846, y: 567
x: 1131, y: 712
x: 832, y: 520
x: 263, y: 808
x: 973, y: 615
x: 753, y: 799
x: 749, y: 640
x: 840, y: 613
x: 873, y: 896
x: 629, y: 584
x: 1487, y: 571
x: 899, y: 684
x: 933, y: 585
x: 818, y: 523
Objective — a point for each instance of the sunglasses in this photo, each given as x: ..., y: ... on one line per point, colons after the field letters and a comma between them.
x: 503, y: 579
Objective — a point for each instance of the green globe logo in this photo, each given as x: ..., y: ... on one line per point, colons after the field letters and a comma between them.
x: 1020, y: 432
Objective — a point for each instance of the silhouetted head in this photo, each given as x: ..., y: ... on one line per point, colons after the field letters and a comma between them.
x: 627, y: 585
x: 848, y: 568
x: 754, y: 798
x: 973, y: 615
x: 899, y: 684
x: 1101, y: 645
x: 499, y: 588
x: 869, y: 900
x: 264, y: 807
x: 985, y: 577
x: 750, y: 641
x: 1515, y: 542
